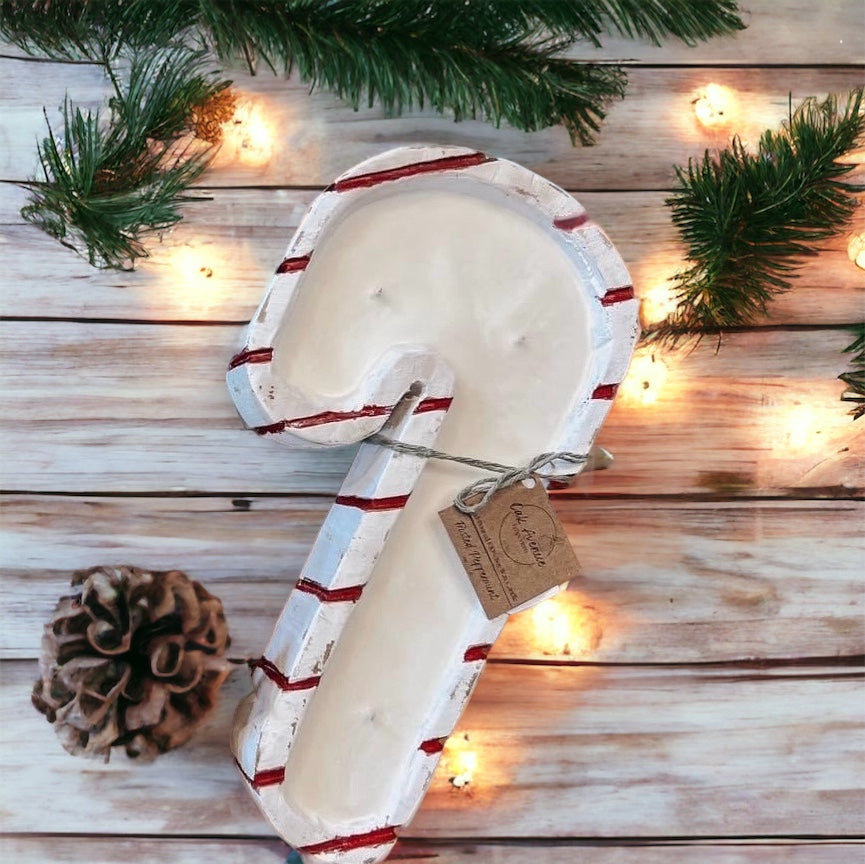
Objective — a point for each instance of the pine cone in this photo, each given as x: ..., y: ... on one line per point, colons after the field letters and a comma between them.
x: 133, y: 659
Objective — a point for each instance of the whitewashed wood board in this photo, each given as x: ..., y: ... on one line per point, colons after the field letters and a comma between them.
x: 562, y: 752
x: 215, y: 265
x: 695, y: 582
x: 778, y: 31
x: 738, y: 751
x: 37, y: 849
x: 314, y: 138
x: 723, y: 423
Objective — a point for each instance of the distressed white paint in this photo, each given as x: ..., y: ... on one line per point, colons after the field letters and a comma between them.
x: 450, y: 282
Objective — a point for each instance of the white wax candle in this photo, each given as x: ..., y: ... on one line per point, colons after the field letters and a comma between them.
x: 497, y: 295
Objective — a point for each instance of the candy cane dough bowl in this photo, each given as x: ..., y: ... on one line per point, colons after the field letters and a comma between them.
x: 448, y: 299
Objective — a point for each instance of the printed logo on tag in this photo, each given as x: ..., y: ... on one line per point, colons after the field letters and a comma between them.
x: 513, y: 549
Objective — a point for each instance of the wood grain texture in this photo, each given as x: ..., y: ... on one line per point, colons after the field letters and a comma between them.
x: 36, y: 849
x: 765, y: 745
x: 778, y: 32
x: 311, y: 139
x: 216, y: 264
x: 708, y: 582
x: 147, y: 411
x: 562, y: 752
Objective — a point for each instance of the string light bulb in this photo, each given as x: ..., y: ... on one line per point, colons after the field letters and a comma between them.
x: 461, y: 760
x: 248, y: 135
x: 645, y: 380
x: 190, y: 266
x: 856, y: 249
x: 714, y: 106
x: 565, y: 626
x: 657, y: 304
x: 801, y: 428
x: 199, y: 275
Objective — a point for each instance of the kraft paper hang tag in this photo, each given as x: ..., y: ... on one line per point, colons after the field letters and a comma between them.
x: 513, y: 549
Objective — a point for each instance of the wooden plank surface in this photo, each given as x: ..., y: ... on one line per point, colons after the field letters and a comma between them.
x: 215, y: 265
x: 778, y: 32
x: 710, y: 582
x: 701, y: 681
x: 557, y: 756
x: 311, y: 139
x: 752, y: 419
x: 35, y: 849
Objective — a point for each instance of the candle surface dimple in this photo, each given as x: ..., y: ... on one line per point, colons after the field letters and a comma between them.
x: 501, y: 300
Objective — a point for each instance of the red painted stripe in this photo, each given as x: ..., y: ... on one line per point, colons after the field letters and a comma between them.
x: 434, y: 404
x: 605, y: 391
x: 396, y: 502
x: 568, y: 223
x: 330, y: 595
x: 377, y: 837
x: 338, y: 416
x: 292, y: 265
x: 268, y: 777
x: 477, y: 652
x: 251, y: 355
x: 325, y: 417
x: 618, y: 295
x: 446, y: 163
x: 282, y: 681
x: 439, y: 403
x: 271, y: 429
x: 433, y: 745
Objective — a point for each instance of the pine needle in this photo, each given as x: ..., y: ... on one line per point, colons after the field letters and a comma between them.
x: 470, y: 58
x: 747, y: 219
x: 108, y: 182
x: 855, y: 378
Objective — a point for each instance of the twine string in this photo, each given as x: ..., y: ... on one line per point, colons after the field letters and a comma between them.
x: 467, y: 500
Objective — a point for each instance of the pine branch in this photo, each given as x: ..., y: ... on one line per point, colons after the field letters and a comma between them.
x: 528, y: 87
x: 478, y: 58
x: 747, y: 219
x: 588, y: 20
x: 855, y: 379
x: 108, y: 183
x: 95, y: 30
x: 412, y: 54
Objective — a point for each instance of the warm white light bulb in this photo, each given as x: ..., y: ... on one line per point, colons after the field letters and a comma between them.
x: 468, y: 763
x: 645, y: 379
x: 191, y: 266
x: 657, y: 304
x: 801, y: 428
x: 714, y: 106
x: 565, y: 626
x: 248, y: 135
x: 856, y: 249
x: 461, y: 762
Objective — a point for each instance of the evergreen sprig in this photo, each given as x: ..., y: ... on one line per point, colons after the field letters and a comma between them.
x: 107, y: 181
x: 747, y: 219
x: 855, y: 378
x: 472, y: 58
x: 410, y: 54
